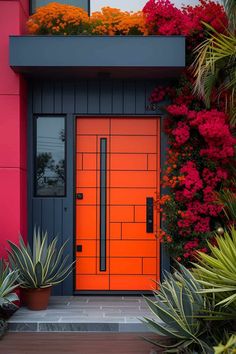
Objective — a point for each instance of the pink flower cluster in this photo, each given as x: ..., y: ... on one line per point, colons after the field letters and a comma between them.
x: 163, y: 17
x: 192, y: 182
x: 181, y: 133
x: 202, y: 144
x: 191, y: 247
x: 213, y: 127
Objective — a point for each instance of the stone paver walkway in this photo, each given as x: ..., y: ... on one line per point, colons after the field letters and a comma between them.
x: 84, y: 314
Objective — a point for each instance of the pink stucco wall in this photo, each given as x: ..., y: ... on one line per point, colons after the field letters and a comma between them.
x: 13, y: 216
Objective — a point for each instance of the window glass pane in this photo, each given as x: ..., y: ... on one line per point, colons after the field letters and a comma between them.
x: 50, y: 156
x: 78, y: 3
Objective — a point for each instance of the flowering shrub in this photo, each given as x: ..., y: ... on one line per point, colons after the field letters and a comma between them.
x: 163, y: 18
x: 56, y: 18
x: 111, y: 21
x: 201, y: 146
x: 200, y: 142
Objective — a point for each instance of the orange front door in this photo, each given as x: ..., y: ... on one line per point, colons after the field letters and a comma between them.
x: 117, y: 182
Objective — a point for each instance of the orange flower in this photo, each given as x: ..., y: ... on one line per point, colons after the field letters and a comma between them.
x: 56, y: 18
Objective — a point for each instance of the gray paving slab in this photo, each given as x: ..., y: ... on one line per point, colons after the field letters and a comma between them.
x: 86, y: 313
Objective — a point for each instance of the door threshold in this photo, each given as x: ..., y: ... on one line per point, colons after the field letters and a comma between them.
x: 113, y: 292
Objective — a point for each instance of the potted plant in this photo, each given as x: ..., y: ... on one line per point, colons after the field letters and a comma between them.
x: 8, y: 283
x: 40, y: 267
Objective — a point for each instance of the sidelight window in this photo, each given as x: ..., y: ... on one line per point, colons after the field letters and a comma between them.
x: 50, y: 157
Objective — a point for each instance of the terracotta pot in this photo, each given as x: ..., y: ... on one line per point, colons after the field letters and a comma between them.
x: 36, y: 299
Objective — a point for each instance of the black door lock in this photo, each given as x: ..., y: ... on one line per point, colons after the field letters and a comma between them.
x: 149, y: 215
x: 79, y: 248
x: 80, y: 196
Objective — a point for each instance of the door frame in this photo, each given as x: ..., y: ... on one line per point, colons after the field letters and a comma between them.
x: 107, y: 116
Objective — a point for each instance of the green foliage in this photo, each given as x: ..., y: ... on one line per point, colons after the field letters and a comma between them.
x: 42, y: 266
x: 214, y: 65
x: 230, y: 8
x: 227, y: 198
x: 176, y: 306
x: 217, y: 272
x: 228, y: 348
x: 8, y: 283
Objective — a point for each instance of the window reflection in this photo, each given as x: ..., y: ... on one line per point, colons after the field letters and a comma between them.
x: 50, y: 156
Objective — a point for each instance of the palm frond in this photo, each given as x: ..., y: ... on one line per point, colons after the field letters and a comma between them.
x: 215, y: 64
x: 230, y: 9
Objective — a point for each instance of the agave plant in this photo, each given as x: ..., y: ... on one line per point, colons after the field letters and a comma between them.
x: 228, y: 348
x: 217, y: 272
x: 8, y: 283
x: 41, y: 266
x: 227, y: 198
x: 175, y: 308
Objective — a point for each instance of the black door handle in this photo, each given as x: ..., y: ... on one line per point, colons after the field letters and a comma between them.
x: 149, y: 215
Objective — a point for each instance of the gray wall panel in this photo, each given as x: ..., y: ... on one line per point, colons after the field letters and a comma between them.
x: 140, y: 101
x: 47, y: 216
x: 129, y: 97
x: 118, y: 97
x: 149, y: 87
x: 37, y: 97
x: 85, y: 52
x: 57, y: 99
x: 106, y: 97
x: 48, y: 97
x: 68, y: 97
x: 36, y: 214
x: 93, y: 97
x: 82, y: 97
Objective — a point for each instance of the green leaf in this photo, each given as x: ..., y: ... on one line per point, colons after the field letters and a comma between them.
x: 39, y: 274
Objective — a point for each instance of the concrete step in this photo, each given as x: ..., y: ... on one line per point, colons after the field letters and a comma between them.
x: 84, y: 314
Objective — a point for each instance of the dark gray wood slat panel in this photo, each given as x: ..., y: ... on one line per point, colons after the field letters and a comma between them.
x: 106, y: 97
x: 81, y: 97
x: 58, y: 230
x: 47, y: 216
x: 48, y: 225
x: 68, y: 236
x: 129, y: 97
x: 117, y: 97
x: 47, y: 97
x: 37, y: 97
x: 93, y: 97
x: 140, y: 101
x: 150, y: 86
x: 57, y: 217
x: 36, y: 214
x: 57, y: 97
x: 68, y: 205
x: 68, y: 97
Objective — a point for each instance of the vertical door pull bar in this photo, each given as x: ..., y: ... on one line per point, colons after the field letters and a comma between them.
x: 149, y: 215
x: 103, y: 202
